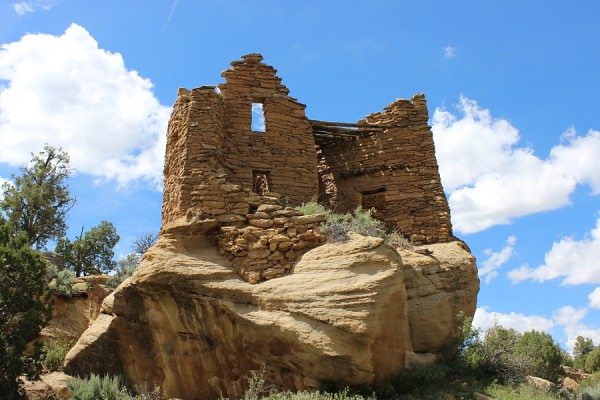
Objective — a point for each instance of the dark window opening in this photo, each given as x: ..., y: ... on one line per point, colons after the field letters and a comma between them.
x: 258, y: 118
x: 261, y: 182
x: 375, y: 200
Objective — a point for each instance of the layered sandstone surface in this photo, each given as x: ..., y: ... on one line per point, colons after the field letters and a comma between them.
x: 350, y: 312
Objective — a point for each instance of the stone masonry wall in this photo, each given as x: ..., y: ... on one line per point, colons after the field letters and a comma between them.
x: 286, y: 150
x: 211, y: 163
x: 218, y: 170
x: 266, y: 244
x: 394, y: 171
x: 212, y: 152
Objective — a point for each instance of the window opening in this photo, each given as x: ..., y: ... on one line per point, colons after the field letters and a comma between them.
x: 374, y: 199
x: 260, y: 182
x: 258, y: 118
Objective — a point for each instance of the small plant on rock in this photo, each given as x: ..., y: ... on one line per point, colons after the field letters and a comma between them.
x: 54, y: 351
x: 64, y: 283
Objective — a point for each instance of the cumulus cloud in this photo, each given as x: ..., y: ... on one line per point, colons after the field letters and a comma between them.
x: 485, y: 319
x: 449, y: 52
x: 567, y: 319
x: 491, y: 179
x: 571, y: 320
x: 595, y: 298
x: 66, y: 91
x: 576, y: 261
x: 489, y: 268
x: 25, y: 7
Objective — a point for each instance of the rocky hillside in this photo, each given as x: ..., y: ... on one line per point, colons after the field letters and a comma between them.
x: 351, y: 313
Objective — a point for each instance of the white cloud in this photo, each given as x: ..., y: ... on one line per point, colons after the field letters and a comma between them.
x: 574, y: 260
x: 497, y: 259
x: 490, y: 179
x: 571, y: 320
x: 595, y: 298
x: 484, y: 319
x: 568, y: 319
x: 65, y: 91
x: 449, y: 52
x: 25, y: 7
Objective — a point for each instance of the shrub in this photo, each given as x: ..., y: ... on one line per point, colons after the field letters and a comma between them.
x: 397, y: 240
x: 360, y: 221
x: 99, y: 388
x: 426, y: 376
x: 125, y: 268
x: 64, y: 283
x: 542, y: 353
x: 589, y: 388
x: 592, y: 362
x: 590, y: 393
x: 54, y: 352
x: 107, y: 388
x: 522, y: 391
x: 312, y: 207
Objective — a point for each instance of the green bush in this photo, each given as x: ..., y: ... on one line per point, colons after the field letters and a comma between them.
x: 519, y: 392
x: 99, y: 388
x: 125, y: 268
x: 542, y: 354
x: 312, y: 208
x: 592, y: 361
x: 64, y: 283
x: 54, y: 352
x: 107, y: 388
x: 397, y: 240
x: 360, y: 221
x: 589, y: 388
x: 422, y: 377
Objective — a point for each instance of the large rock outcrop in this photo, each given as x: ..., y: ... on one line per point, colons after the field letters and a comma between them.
x: 351, y: 312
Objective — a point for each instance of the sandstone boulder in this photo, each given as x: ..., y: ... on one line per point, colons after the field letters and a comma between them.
x: 352, y: 313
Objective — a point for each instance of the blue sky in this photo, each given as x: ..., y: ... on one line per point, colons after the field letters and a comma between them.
x: 512, y: 88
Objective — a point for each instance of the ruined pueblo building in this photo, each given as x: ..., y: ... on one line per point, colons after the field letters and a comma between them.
x: 218, y: 166
x: 203, y: 309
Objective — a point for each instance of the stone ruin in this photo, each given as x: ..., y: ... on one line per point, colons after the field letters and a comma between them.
x: 220, y: 167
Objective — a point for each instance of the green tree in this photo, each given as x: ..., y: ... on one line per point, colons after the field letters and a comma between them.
x: 583, y: 347
x: 91, y: 252
x: 592, y: 362
x: 23, y: 311
x: 37, y: 202
x: 542, y: 354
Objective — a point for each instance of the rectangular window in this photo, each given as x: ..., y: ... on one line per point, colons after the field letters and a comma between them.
x: 260, y: 182
x: 375, y: 200
x: 258, y: 118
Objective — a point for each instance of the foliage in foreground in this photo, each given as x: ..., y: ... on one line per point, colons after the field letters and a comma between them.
x: 360, y: 221
x: 108, y: 387
x: 54, y: 351
x: 520, y: 392
x: 23, y: 309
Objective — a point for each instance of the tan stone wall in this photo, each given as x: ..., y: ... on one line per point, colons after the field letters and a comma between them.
x: 212, y: 150
x: 286, y: 149
x: 265, y: 244
x: 398, y: 165
x: 193, y: 171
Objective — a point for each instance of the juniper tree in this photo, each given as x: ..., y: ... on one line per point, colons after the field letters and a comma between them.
x: 38, y: 200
